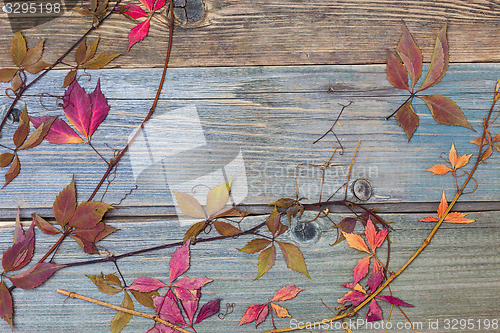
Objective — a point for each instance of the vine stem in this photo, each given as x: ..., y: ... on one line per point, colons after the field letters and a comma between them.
x: 57, y: 62
x: 115, y: 161
x: 122, y: 309
x: 426, y: 242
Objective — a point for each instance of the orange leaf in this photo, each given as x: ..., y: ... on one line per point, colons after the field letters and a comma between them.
x: 443, y: 206
x: 487, y: 153
x: 13, y: 170
x: 34, y: 54
x: 407, y: 118
x: 457, y: 162
x: 356, y: 242
x: 280, y: 311
x: 429, y: 219
x: 439, y: 169
x: 457, y: 218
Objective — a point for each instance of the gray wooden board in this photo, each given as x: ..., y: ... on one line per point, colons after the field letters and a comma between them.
x: 272, y: 115
x: 277, y: 32
x: 456, y: 277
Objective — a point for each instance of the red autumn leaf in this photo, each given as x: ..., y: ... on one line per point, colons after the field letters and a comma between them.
x: 286, y: 293
x: 411, y: 55
x: 34, y: 276
x: 85, y: 111
x: 353, y: 296
x: 19, y: 234
x: 190, y: 304
x: 64, y: 205
x: 255, y: 245
x: 187, y: 283
x: 108, y: 230
x: 445, y: 111
x: 179, y: 262
x: 208, y: 309
x: 60, y: 132
x: 89, y: 234
x: 153, y: 5
x: 439, y: 169
x: 132, y: 11
x: 294, y: 258
x: 146, y: 284
x: 375, y: 238
x: 20, y: 253
x: 87, y: 246
x: 138, y: 33
x: 255, y: 312
x: 13, y: 170
x: 88, y: 214
x: 168, y: 309
x: 356, y: 242
x: 374, y: 312
x: 439, y: 62
x: 100, y: 108
x: 266, y: 261
x: 377, y: 276
x: 396, y: 72
x: 361, y: 269
x: 407, y: 118
x: 6, y: 306
x: 393, y: 300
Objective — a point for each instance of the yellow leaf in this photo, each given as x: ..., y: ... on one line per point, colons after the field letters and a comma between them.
x: 217, y: 198
x: 189, y: 205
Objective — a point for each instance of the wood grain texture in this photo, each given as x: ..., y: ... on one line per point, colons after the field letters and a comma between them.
x: 271, y: 115
x: 449, y: 280
x: 276, y: 32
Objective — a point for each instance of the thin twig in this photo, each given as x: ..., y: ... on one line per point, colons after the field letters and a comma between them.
x: 122, y: 309
x: 151, y: 110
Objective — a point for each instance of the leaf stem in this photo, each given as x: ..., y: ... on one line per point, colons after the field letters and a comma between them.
x: 115, y: 161
x: 21, y: 91
x: 392, y: 114
x: 122, y: 309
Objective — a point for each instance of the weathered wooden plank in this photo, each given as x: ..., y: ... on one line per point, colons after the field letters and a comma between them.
x: 276, y: 32
x: 271, y: 115
x: 456, y: 277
